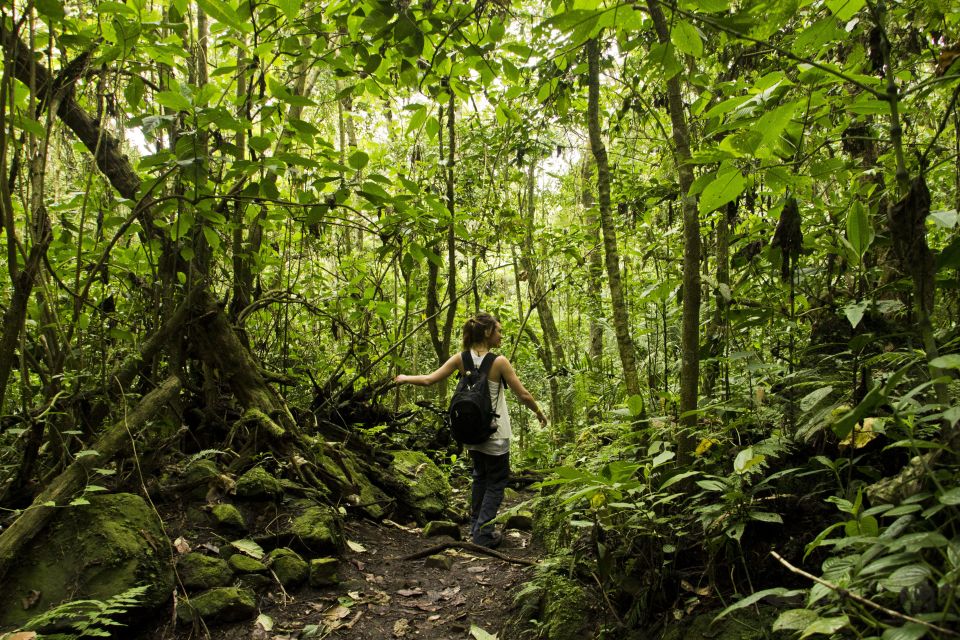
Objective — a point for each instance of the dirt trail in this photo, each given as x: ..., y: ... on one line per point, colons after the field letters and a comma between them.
x: 381, y: 596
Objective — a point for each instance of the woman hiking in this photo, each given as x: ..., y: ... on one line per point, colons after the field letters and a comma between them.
x: 491, y: 459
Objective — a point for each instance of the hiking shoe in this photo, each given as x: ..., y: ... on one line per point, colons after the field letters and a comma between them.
x: 496, y: 539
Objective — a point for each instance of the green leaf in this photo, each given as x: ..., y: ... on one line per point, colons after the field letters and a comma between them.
x: 906, y: 577
x: 248, y: 547
x: 358, y: 160
x: 946, y: 218
x: 290, y: 8
x: 745, y: 460
x: 909, y: 631
x: 677, y: 478
x: 814, y: 398
x: 843, y: 10
x: 133, y: 92
x: 766, y: 516
x: 728, y: 184
x: 173, y: 100
x: 686, y: 38
x: 51, y: 8
x: 635, y: 404
x: 951, y: 497
x: 480, y: 634
x: 795, y: 620
x: 825, y: 626
x: 224, y: 14
x: 950, y: 361
x: 859, y: 230
x: 855, y: 311
x: 757, y: 597
x: 662, y: 458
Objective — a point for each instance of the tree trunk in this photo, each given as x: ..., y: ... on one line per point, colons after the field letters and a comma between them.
x: 594, y: 271
x: 621, y: 321
x: 690, y: 333
x: 551, y: 351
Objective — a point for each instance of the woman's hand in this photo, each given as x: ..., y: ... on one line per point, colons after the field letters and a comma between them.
x: 402, y: 378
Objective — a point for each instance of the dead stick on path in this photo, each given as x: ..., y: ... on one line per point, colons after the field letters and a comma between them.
x: 864, y: 601
x: 468, y: 546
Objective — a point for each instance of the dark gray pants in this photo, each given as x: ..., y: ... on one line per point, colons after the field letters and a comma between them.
x: 490, y: 476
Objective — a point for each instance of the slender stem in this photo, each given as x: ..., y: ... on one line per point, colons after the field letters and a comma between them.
x: 844, y: 593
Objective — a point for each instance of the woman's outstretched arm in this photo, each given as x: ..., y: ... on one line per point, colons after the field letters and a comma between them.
x: 445, y: 371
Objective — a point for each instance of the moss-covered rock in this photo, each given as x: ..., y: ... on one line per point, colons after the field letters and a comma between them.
x: 522, y: 520
x: 92, y: 551
x: 224, y: 604
x: 318, y: 529
x: 323, y: 572
x: 242, y: 563
x: 372, y: 500
x: 258, y: 484
x: 200, y: 471
x: 419, y: 484
x: 198, y: 571
x: 562, y: 608
x: 436, y: 528
x: 291, y: 570
x: 227, y: 517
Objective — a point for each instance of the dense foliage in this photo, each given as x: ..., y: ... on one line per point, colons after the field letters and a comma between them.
x: 721, y: 237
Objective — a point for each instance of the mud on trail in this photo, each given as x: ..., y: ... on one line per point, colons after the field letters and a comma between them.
x: 382, y: 595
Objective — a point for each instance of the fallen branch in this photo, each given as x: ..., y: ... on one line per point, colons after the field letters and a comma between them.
x: 844, y: 593
x: 467, y: 546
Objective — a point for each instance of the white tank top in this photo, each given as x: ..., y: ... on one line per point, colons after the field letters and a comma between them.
x: 499, y: 442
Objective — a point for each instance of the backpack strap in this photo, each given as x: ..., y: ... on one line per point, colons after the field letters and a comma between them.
x: 467, y: 359
x: 487, y: 363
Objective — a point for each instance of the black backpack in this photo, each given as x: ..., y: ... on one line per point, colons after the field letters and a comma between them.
x: 471, y: 411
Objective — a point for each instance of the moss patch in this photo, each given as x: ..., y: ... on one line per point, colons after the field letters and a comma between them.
x: 318, y: 529
x: 225, y: 604
x: 258, y: 484
x: 228, y: 518
x: 291, y: 570
x: 245, y: 564
x: 198, y: 571
x: 93, y: 551
x: 420, y: 485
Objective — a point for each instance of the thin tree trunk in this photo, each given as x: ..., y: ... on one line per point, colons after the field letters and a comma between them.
x: 595, y: 269
x: 551, y: 351
x: 690, y: 333
x: 621, y: 321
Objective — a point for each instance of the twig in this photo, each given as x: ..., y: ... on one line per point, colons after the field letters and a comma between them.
x: 468, y: 546
x: 844, y: 593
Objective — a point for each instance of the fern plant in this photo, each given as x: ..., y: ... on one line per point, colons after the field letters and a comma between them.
x: 85, y: 618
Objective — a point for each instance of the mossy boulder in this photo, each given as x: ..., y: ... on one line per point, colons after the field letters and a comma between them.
x: 258, y: 484
x: 348, y: 471
x: 562, y: 608
x: 198, y: 571
x: 323, y: 572
x: 436, y: 528
x: 318, y: 529
x: 419, y: 484
x: 242, y: 563
x: 92, y: 551
x: 522, y: 520
x: 227, y: 517
x: 223, y: 604
x: 291, y: 570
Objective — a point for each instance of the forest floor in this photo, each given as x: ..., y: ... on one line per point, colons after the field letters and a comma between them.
x: 381, y: 595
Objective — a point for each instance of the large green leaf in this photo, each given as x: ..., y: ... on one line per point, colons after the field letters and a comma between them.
x: 223, y: 13
x: 860, y: 232
x: 686, y: 38
x: 725, y: 187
